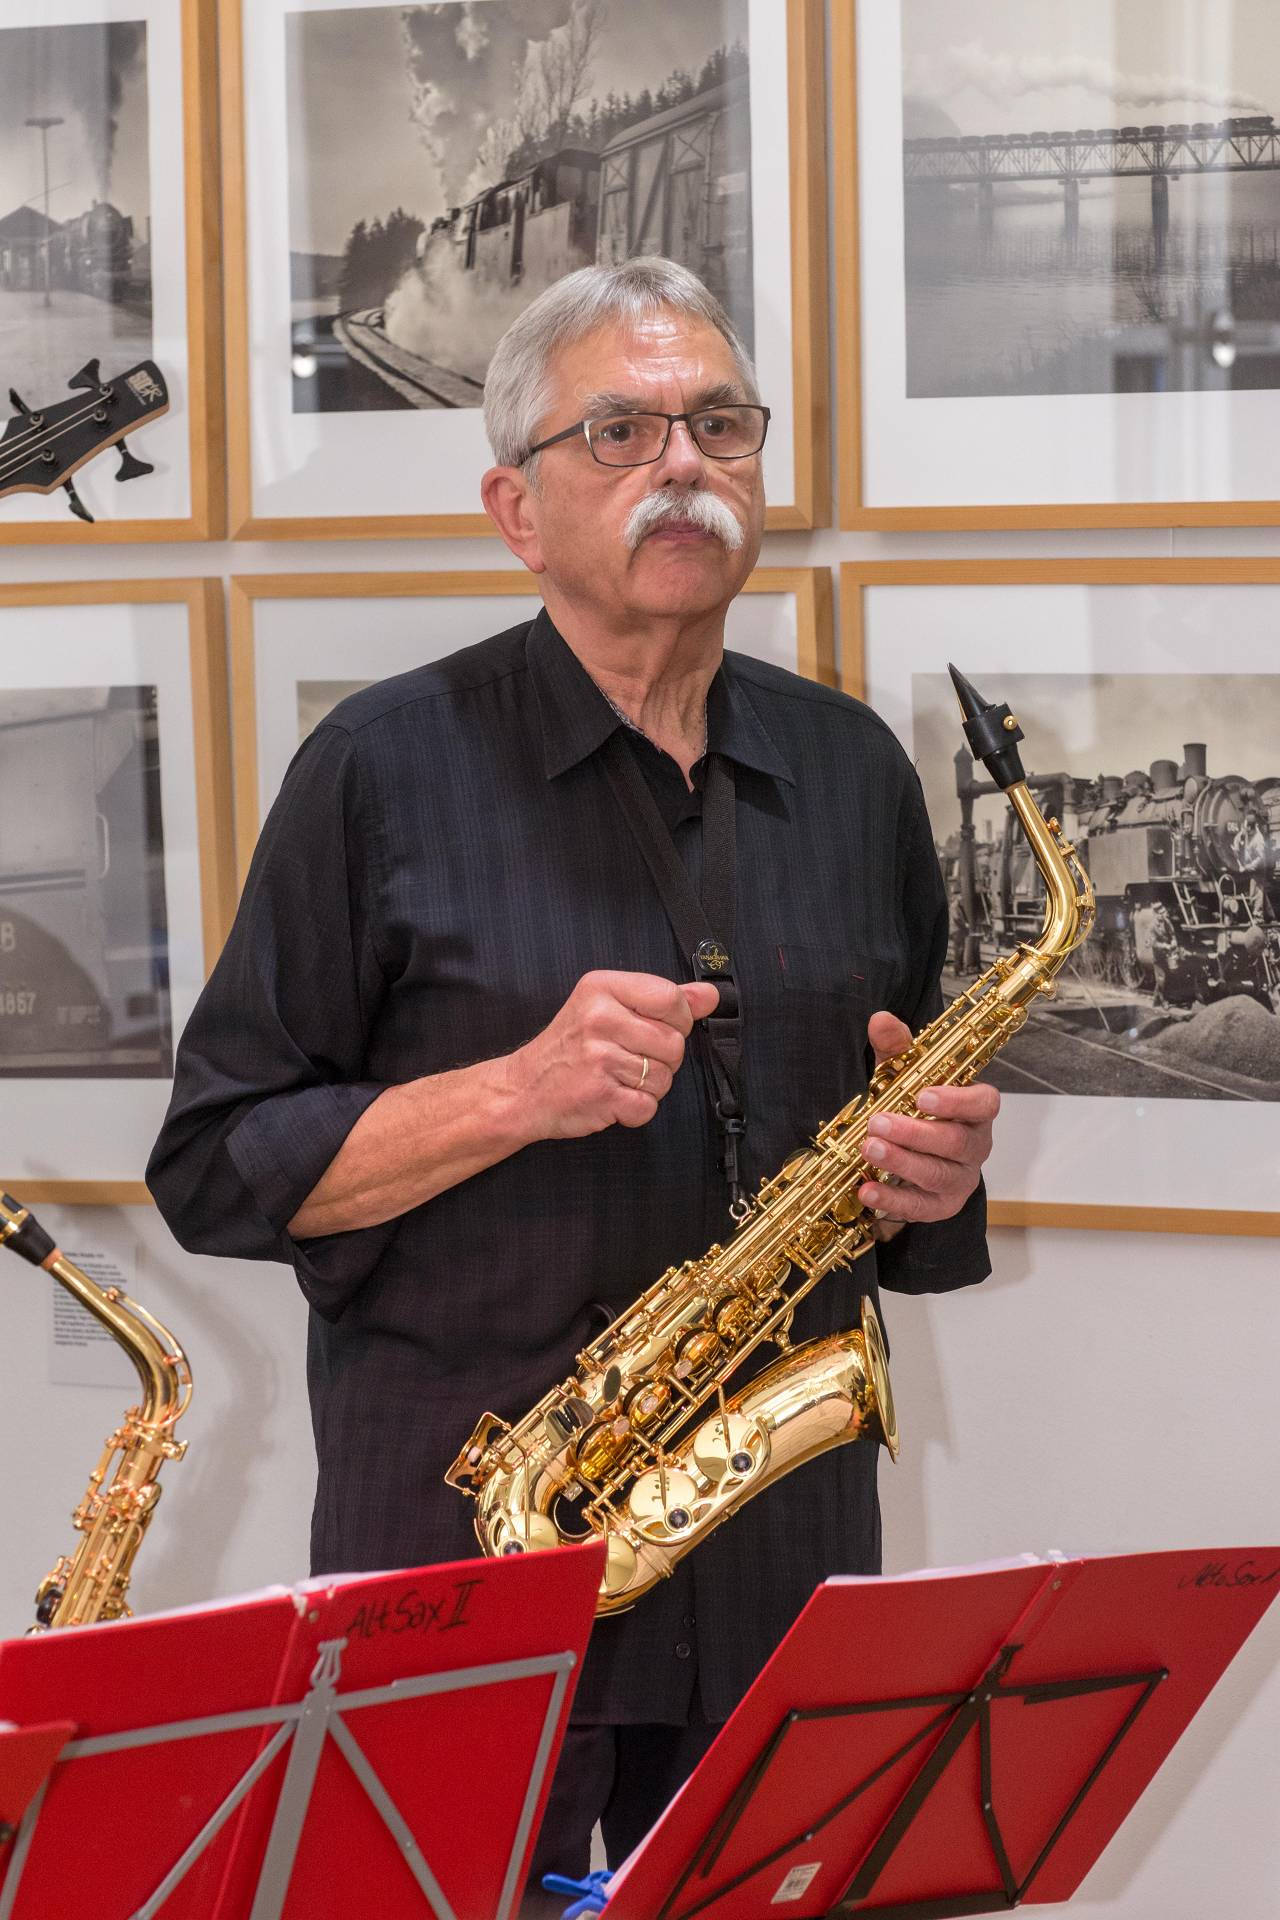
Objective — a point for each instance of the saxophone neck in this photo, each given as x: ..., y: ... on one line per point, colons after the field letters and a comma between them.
x: 1068, y: 895
x: 993, y: 734
x: 159, y: 1361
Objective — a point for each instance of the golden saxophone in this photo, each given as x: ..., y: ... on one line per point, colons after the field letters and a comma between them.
x: 642, y: 1447
x: 90, y: 1584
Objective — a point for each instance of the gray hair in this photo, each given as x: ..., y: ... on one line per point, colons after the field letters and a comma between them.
x: 518, y: 389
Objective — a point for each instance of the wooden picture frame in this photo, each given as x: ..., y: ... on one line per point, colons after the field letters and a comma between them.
x: 814, y: 648
x: 856, y: 509
x: 968, y: 627
x: 809, y: 398
x: 196, y: 394
x: 203, y: 865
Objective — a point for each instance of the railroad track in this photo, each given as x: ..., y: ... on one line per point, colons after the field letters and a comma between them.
x: 1190, y: 1077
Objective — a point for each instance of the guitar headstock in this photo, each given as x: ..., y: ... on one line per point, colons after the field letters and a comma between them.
x: 41, y: 447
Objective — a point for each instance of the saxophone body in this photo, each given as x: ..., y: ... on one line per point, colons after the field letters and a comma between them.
x: 90, y: 1584
x: 643, y: 1446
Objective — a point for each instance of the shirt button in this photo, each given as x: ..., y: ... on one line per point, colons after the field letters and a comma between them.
x: 683, y: 1649
x: 689, y: 1620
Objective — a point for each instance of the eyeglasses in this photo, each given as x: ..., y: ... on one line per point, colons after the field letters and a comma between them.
x: 637, y: 439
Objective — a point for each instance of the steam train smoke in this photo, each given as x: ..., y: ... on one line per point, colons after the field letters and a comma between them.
x: 79, y: 72
x: 460, y: 60
x: 1007, y: 77
x: 96, y: 72
x: 446, y: 317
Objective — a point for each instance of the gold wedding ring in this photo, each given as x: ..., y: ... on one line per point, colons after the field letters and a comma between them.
x: 644, y: 1071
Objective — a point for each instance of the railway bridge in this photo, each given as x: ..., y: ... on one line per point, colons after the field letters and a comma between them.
x: 1065, y: 158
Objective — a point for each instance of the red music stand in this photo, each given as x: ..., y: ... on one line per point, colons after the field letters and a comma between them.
x: 944, y: 1744
x: 349, y: 1749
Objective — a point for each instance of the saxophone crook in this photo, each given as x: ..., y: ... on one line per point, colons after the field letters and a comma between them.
x: 90, y: 1584
x: 643, y: 1447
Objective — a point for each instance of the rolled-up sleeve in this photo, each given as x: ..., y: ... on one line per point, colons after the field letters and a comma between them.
x: 929, y: 1256
x: 270, y: 1073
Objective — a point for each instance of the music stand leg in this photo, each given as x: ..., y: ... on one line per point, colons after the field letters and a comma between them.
x: 295, y: 1794
x: 212, y: 1827
x: 21, y: 1848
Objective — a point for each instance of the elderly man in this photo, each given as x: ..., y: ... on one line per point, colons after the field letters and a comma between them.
x: 454, y: 1065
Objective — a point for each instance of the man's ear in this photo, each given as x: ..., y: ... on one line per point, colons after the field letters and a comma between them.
x: 508, y: 499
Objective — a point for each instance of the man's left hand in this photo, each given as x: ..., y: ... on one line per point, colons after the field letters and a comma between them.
x: 935, y: 1162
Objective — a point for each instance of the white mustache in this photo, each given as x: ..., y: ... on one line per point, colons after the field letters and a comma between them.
x: 701, y: 510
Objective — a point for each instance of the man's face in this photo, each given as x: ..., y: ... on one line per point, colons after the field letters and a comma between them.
x: 579, y: 514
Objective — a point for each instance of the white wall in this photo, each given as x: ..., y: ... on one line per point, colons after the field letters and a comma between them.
x: 1110, y: 1393
x: 1102, y: 1392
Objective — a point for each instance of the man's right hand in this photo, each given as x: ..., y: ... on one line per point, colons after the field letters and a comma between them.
x: 582, y: 1073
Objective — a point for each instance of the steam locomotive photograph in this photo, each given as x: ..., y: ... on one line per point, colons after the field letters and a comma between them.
x: 75, y: 203
x: 84, y: 944
x: 516, y: 142
x: 1078, y: 206
x: 1177, y: 993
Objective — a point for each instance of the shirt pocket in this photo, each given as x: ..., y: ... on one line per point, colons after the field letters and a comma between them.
x: 861, y: 981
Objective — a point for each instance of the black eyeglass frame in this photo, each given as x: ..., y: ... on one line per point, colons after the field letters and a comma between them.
x: 653, y: 413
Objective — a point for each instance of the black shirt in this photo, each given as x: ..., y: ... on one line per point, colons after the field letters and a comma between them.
x: 445, y: 860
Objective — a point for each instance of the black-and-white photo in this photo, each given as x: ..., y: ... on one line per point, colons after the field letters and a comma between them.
x: 448, y: 162
x: 1169, y: 786
x: 1092, y: 196
x: 318, y: 698
x: 75, y: 204
x: 84, y: 941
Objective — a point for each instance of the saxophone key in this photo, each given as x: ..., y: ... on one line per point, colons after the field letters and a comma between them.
x: 717, y: 1452
x: 648, y: 1405
x: 649, y: 1507
x: 525, y: 1533
x: 696, y: 1352
x: 601, y: 1448
x: 619, y: 1565
x: 734, y: 1320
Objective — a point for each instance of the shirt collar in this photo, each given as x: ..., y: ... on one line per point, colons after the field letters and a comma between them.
x: 577, y: 719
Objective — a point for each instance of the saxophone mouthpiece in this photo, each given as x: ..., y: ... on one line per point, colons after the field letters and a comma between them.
x: 22, y: 1233
x: 992, y: 732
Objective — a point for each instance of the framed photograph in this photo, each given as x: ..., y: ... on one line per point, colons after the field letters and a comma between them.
x: 1146, y: 1092
x: 116, y: 869
x: 401, y: 181
x: 109, y: 283
x: 301, y: 642
x: 1058, y: 262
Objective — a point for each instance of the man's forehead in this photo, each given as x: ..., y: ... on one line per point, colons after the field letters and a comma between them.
x: 644, y: 355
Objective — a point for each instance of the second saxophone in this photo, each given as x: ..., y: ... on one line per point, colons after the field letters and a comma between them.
x: 90, y: 1584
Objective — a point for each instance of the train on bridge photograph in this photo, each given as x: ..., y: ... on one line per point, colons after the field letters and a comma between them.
x: 1074, y: 222
x: 1220, y: 131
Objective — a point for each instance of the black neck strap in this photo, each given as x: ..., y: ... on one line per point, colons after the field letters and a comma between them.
x: 704, y: 928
